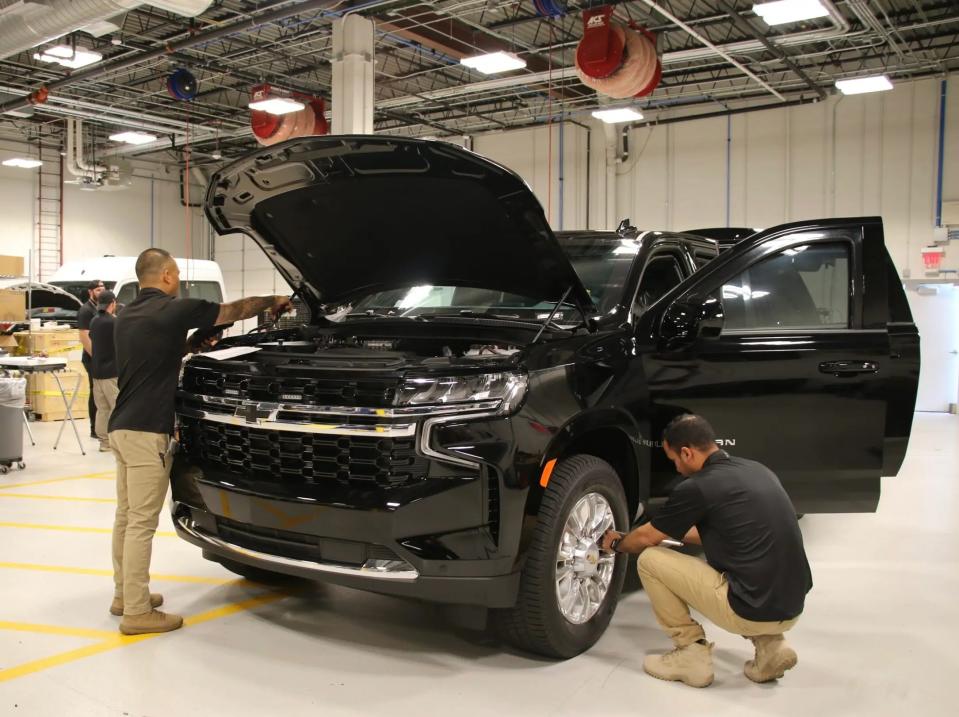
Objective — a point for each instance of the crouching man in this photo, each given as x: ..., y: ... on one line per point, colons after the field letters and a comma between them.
x: 755, y: 577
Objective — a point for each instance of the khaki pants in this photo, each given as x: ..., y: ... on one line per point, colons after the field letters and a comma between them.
x: 143, y: 474
x: 675, y: 582
x: 105, y: 392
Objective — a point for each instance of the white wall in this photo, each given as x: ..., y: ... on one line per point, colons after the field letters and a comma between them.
x: 122, y: 222
x: 246, y: 272
x: 847, y: 156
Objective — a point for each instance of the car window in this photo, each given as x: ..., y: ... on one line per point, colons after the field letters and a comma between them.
x: 209, y: 290
x: 79, y: 288
x: 662, y: 273
x: 803, y: 287
x: 128, y: 292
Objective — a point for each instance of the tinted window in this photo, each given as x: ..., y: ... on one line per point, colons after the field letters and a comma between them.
x: 79, y: 288
x: 209, y: 290
x: 662, y: 274
x: 127, y: 293
x: 803, y: 287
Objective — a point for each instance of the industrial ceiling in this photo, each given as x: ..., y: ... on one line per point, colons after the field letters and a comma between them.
x: 716, y: 55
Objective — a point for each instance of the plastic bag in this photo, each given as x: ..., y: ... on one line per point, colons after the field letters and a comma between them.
x: 13, y: 392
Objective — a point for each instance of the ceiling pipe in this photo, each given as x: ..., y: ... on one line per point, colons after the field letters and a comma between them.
x: 199, y: 38
x: 715, y: 48
x: 70, y: 160
x: 42, y: 22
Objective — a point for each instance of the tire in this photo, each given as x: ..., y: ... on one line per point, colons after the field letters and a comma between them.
x: 537, y: 623
x: 253, y: 574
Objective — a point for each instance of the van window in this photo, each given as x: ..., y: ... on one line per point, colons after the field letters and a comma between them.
x: 803, y: 287
x: 662, y: 273
x: 79, y: 288
x: 209, y: 290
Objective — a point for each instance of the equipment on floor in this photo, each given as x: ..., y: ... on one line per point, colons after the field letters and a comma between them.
x: 13, y: 392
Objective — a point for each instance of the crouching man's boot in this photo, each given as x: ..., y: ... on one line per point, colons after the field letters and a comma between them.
x: 153, y: 621
x: 773, y: 657
x: 691, y: 665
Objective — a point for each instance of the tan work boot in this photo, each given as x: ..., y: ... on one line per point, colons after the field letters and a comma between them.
x: 773, y: 657
x: 116, y: 607
x: 691, y: 665
x: 153, y: 621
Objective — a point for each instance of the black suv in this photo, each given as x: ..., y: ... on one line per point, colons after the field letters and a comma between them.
x: 473, y: 400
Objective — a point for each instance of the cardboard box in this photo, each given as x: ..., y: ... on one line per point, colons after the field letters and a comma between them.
x: 11, y: 266
x: 13, y: 305
x: 55, y: 343
x: 43, y: 394
x: 8, y: 342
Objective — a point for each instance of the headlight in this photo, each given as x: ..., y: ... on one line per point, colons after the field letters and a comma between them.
x: 506, y: 388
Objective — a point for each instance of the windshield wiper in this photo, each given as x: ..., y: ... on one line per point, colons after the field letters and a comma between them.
x: 372, y: 313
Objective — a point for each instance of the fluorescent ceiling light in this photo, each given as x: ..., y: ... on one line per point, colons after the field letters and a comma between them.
x: 22, y: 163
x: 72, y: 57
x: 277, y: 105
x: 781, y: 12
x: 861, y: 85
x: 134, y: 137
x: 494, y: 62
x: 620, y: 114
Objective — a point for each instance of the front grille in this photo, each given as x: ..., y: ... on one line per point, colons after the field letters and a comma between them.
x: 303, y: 458
x: 325, y: 391
x: 300, y: 545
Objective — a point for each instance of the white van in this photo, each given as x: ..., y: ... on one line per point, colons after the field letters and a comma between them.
x: 199, y: 279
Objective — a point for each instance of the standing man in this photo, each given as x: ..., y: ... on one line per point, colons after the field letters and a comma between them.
x: 755, y: 577
x: 103, y: 365
x: 84, y: 318
x: 150, y: 336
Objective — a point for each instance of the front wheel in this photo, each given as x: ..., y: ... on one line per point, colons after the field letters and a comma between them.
x: 569, y: 588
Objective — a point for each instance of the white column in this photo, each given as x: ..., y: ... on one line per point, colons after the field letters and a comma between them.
x: 353, y: 75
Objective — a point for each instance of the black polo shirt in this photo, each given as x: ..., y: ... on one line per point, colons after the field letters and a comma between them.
x: 150, y: 336
x: 749, y: 531
x: 104, y: 361
x: 84, y: 318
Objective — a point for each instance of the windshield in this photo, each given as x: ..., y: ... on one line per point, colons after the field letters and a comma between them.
x: 429, y: 301
x: 602, y: 263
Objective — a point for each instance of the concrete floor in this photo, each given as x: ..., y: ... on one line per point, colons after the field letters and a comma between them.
x: 877, y: 638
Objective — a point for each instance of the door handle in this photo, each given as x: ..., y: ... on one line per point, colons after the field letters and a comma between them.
x: 848, y: 368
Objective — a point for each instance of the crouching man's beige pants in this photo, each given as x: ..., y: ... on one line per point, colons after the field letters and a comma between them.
x: 143, y: 474
x: 676, y: 582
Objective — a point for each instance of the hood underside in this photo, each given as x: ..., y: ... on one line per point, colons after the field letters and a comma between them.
x: 346, y: 216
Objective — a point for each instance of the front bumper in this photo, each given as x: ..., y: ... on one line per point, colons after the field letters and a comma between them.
x: 389, y: 577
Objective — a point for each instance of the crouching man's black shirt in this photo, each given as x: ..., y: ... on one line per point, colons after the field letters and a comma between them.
x: 749, y: 531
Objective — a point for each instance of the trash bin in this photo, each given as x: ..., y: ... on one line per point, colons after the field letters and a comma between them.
x: 13, y: 392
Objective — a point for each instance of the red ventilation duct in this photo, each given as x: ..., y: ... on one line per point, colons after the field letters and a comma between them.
x: 270, y: 129
x: 615, y: 60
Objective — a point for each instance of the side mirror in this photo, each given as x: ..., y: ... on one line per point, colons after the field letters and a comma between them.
x: 692, y: 317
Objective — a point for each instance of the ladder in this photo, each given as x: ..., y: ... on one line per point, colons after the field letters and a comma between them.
x: 49, y: 216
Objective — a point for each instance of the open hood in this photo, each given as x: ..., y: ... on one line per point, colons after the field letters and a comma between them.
x: 345, y: 216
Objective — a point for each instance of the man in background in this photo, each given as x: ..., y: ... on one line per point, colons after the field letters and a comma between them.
x: 84, y: 318
x: 103, y: 365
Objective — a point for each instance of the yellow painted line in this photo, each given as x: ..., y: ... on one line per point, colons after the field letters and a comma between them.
x: 74, y: 498
x: 56, y: 630
x: 67, y: 569
x: 75, y: 529
x: 106, y: 475
x: 116, y: 640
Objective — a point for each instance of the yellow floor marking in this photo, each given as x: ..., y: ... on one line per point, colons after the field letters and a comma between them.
x: 80, y: 499
x: 106, y: 475
x: 75, y: 529
x: 116, y: 640
x: 56, y: 630
x: 109, y: 573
